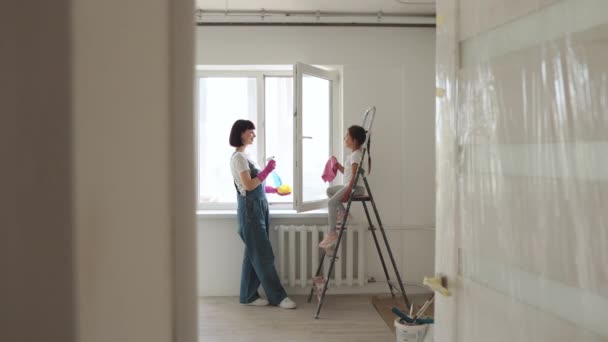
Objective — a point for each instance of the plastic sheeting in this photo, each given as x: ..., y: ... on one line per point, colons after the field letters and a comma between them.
x: 522, y: 170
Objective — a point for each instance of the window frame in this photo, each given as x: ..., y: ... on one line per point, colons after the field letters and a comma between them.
x: 260, y: 73
x: 335, y: 126
x: 260, y: 131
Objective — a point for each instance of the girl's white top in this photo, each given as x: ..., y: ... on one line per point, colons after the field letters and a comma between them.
x: 354, y: 157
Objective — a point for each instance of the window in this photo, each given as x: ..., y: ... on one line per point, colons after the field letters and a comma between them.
x: 316, y: 109
x: 266, y: 97
x: 222, y: 100
x: 278, y: 129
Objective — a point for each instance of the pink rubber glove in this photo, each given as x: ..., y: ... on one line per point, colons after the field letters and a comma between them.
x: 270, y: 190
x: 273, y: 190
x: 267, y: 170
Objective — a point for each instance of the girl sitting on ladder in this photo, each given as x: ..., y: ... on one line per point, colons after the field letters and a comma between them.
x: 354, y: 138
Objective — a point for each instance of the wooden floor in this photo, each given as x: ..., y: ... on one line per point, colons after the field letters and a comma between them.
x: 342, y: 319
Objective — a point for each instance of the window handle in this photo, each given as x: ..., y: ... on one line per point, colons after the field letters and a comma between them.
x: 306, y: 137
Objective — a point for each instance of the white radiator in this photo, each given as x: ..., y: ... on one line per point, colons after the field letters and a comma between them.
x: 299, y: 255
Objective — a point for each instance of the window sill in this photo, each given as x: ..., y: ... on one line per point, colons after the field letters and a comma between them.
x: 274, y: 213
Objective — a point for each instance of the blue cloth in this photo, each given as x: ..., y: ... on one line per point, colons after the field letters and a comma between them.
x: 258, y: 261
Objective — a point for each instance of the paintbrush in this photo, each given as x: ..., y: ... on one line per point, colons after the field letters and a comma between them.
x: 424, y: 307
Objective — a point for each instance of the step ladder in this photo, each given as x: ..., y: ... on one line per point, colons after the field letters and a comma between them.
x: 320, y: 283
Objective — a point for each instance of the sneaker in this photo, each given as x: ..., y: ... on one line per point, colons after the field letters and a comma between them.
x: 341, y: 216
x: 287, y: 304
x: 340, y: 219
x: 318, y: 280
x: 330, y: 251
x: 339, y: 226
x: 329, y: 240
x: 258, y: 302
x: 318, y: 284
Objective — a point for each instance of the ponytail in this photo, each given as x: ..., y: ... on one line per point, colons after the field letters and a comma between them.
x: 369, y: 154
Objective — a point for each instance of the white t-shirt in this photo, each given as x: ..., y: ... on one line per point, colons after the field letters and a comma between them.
x: 239, y: 163
x: 354, y: 157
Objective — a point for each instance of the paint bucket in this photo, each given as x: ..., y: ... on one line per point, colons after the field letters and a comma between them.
x: 409, y: 333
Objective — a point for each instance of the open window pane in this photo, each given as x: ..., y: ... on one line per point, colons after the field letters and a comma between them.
x: 278, y: 104
x: 314, y: 106
x: 222, y: 101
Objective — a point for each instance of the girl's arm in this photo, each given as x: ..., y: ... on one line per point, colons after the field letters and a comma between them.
x: 351, y: 183
x: 340, y: 168
x: 248, y: 182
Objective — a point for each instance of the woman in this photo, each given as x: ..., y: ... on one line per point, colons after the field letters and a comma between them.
x: 252, y: 212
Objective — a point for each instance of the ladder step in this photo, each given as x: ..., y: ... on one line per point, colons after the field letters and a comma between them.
x: 361, y: 198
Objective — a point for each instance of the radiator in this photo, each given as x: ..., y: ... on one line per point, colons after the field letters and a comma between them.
x: 299, y: 255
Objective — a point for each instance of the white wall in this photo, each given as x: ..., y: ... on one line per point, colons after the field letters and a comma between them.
x: 127, y: 78
x: 391, y: 68
x: 90, y: 95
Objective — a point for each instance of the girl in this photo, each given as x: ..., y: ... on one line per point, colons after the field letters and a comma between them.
x: 353, y: 139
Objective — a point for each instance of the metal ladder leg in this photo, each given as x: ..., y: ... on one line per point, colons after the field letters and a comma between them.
x: 312, y: 289
x: 388, y: 247
x: 333, y: 260
x: 332, y: 264
x: 373, y: 229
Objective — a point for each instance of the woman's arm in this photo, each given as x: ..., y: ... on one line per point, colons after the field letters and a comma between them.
x: 248, y: 182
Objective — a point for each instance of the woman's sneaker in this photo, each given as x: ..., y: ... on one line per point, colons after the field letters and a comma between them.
x: 287, y: 304
x: 258, y: 302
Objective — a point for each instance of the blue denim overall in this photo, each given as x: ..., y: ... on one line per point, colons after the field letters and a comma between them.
x: 258, y: 261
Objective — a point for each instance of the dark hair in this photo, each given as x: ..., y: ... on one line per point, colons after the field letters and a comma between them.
x: 238, y: 128
x: 359, y: 134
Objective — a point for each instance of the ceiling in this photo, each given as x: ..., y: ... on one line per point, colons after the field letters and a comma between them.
x: 386, y: 6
